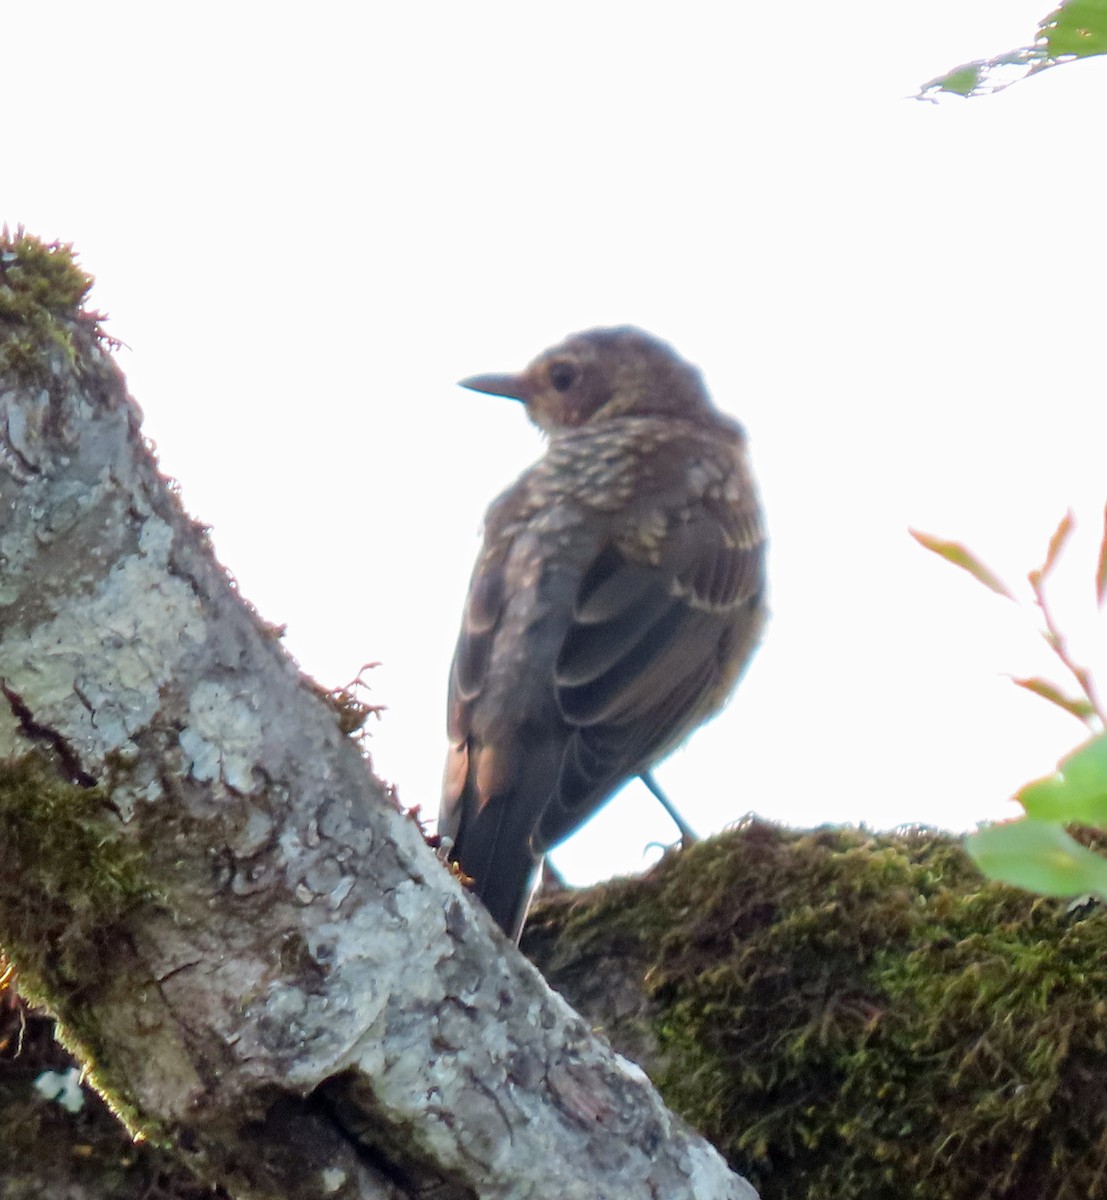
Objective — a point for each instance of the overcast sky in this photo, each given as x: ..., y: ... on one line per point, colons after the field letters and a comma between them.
x: 306, y: 222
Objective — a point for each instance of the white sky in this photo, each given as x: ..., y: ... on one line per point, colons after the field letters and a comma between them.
x: 307, y: 222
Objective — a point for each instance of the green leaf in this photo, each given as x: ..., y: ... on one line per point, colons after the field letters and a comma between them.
x: 1039, y: 856
x: 1079, y: 707
x: 985, y: 76
x: 1076, y: 792
x: 1078, y: 27
x: 962, y: 81
x: 964, y: 558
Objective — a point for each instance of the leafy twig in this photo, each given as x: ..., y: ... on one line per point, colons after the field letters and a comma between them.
x: 1088, y: 709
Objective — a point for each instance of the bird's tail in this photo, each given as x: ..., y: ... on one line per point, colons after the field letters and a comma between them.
x: 493, y: 851
x: 494, y: 834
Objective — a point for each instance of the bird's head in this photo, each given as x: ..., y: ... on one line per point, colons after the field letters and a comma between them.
x: 603, y: 373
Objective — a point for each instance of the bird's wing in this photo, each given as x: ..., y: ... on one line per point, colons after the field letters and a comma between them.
x: 483, y: 608
x: 652, y: 649
x: 498, y: 773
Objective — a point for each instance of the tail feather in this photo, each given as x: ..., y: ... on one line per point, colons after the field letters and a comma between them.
x: 493, y: 850
x: 493, y: 843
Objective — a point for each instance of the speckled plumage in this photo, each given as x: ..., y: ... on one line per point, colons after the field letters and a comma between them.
x: 616, y: 600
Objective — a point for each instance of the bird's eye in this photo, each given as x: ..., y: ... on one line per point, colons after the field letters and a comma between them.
x: 563, y: 375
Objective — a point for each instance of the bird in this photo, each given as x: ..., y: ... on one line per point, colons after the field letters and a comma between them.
x: 616, y: 600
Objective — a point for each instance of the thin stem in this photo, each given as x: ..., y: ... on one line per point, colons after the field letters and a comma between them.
x: 1056, y: 642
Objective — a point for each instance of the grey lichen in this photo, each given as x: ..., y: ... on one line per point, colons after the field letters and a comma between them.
x: 97, y: 663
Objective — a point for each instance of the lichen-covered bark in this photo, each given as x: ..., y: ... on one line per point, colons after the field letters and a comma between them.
x: 852, y: 1016
x: 258, y: 957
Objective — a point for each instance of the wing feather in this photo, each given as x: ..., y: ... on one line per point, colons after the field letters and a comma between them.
x: 648, y: 655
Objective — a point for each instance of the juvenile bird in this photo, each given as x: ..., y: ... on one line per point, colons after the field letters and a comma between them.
x: 616, y: 600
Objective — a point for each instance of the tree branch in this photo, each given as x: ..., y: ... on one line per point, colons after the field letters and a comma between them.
x: 260, y: 960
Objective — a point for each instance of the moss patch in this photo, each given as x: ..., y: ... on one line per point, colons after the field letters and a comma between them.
x: 69, y: 879
x: 69, y: 875
x: 42, y: 291
x: 852, y: 1016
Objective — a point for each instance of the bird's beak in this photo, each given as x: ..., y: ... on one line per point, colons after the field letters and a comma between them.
x: 512, y: 386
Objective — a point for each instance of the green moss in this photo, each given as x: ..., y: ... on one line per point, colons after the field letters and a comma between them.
x: 42, y: 291
x: 70, y: 878
x: 69, y: 874
x: 40, y: 275
x: 853, y: 1016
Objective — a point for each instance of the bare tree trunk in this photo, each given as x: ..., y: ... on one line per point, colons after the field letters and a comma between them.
x: 255, y: 953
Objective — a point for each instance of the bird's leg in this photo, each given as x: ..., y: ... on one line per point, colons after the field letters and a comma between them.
x: 687, y: 833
